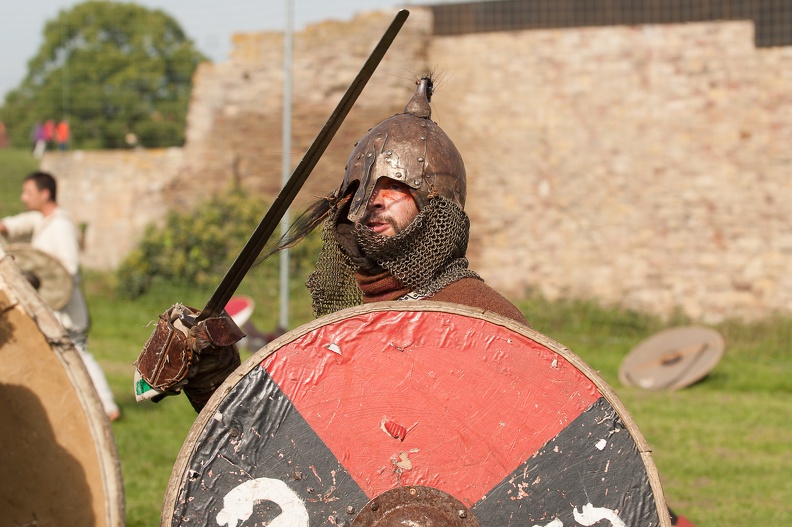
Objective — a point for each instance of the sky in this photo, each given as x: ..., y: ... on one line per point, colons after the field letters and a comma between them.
x: 209, y: 23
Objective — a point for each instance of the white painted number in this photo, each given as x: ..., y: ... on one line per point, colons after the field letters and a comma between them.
x: 238, y: 503
x: 589, y: 515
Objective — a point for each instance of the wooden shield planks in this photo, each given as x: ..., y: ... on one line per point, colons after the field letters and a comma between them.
x: 333, y: 416
x: 59, y: 460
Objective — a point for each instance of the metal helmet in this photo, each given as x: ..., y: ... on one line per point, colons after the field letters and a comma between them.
x: 408, y: 147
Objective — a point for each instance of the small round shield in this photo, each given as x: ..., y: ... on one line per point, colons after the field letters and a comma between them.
x: 672, y: 359
x: 47, y: 275
x: 419, y: 413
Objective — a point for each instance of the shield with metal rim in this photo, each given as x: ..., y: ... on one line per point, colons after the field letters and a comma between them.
x: 414, y: 413
x: 59, y: 461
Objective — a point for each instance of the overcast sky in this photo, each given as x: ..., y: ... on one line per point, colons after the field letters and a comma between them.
x: 210, y: 23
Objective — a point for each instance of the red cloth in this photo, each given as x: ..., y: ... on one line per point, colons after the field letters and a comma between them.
x: 681, y: 521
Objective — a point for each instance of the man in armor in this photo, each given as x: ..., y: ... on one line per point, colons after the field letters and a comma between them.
x: 396, y: 228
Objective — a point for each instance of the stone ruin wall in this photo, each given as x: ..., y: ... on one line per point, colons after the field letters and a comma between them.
x: 644, y: 166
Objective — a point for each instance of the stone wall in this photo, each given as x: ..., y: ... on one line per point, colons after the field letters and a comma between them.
x: 114, y: 195
x: 234, y: 131
x: 646, y: 166
x: 640, y: 165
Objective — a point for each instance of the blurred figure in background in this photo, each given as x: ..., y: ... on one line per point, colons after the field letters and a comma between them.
x: 62, y: 135
x: 39, y: 143
x: 52, y: 231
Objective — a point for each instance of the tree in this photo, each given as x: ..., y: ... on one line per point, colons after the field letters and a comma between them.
x: 111, y: 69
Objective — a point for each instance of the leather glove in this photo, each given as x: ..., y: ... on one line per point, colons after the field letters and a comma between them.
x: 182, y: 354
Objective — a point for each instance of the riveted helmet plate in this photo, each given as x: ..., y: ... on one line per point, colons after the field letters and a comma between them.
x: 410, y: 148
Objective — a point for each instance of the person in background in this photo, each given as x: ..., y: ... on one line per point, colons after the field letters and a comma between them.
x: 62, y: 133
x: 39, y: 143
x: 52, y: 231
x: 49, y: 131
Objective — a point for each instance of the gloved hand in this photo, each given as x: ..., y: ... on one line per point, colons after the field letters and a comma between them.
x: 182, y: 354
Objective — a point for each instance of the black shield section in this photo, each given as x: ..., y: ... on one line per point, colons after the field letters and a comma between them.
x: 591, y: 473
x: 256, y: 433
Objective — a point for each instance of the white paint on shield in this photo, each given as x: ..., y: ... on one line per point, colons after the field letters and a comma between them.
x: 239, y: 502
x: 589, y: 515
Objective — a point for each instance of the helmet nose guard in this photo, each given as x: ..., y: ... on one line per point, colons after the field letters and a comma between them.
x: 408, y: 147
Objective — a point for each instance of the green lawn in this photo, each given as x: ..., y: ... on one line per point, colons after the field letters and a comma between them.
x: 721, y: 446
x: 15, y: 164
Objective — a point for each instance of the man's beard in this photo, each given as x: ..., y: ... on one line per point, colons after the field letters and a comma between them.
x: 380, y: 217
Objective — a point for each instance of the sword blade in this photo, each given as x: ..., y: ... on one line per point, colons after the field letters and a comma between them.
x: 244, y: 261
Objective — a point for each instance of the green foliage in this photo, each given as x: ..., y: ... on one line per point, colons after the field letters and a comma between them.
x: 110, y: 69
x: 15, y: 164
x: 198, y: 247
x: 194, y: 247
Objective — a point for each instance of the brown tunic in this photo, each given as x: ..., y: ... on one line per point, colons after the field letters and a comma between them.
x: 466, y: 291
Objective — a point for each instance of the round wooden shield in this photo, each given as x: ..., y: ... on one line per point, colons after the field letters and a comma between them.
x: 672, y: 359
x: 414, y: 413
x: 59, y: 461
x: 54, y: 283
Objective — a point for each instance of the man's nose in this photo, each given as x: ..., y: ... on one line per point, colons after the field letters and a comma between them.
x: 376, y: 202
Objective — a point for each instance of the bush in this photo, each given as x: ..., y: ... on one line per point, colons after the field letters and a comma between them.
x: 198, y: 247
x: 195, y: 247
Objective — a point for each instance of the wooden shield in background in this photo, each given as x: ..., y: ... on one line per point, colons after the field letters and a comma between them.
x: 673, y: 358
x: 59, y: 463
x: 393, y: 413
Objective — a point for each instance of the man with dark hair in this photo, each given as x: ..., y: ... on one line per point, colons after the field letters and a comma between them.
x: 52, y: 231
x: 394, y: 230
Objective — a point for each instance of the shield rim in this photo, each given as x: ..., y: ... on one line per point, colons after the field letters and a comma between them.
x: 189, y: 446
x: 28, y: 299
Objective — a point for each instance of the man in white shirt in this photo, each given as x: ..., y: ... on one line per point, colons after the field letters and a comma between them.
x: 52, y: 231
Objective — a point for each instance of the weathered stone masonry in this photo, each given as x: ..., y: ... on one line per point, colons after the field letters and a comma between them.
x: 641, y: 165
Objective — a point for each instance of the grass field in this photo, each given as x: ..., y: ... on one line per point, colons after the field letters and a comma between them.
x: 14, y: 166
x: 722, y: 446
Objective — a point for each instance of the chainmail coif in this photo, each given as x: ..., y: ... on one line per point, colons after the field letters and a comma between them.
x: 426, y: 256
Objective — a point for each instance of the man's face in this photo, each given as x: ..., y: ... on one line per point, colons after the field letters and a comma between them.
x: 391, y: 208
x: 32, y: 197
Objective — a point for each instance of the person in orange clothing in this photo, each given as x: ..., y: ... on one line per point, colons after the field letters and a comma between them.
x: 62, y: 133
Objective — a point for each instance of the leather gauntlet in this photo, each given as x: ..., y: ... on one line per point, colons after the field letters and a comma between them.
x: 182, y: 354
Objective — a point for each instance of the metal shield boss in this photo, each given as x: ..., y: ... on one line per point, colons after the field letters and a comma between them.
x: 414, y: 413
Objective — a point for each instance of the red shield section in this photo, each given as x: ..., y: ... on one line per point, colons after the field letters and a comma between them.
x: 453, y: 405
x: 435, y: 399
